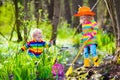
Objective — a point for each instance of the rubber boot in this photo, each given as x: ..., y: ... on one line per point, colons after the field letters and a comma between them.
x: 96, y: 61
x: 86, y: 62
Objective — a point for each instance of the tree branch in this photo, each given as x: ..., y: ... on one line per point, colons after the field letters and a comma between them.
x: 3, y: 36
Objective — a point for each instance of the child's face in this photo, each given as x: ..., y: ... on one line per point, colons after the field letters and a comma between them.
x: 37, y: 36
x: 83, y: 19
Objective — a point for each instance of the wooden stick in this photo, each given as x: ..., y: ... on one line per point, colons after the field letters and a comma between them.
x: 95, y: 5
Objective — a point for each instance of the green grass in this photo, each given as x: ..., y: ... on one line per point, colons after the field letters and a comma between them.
x: 23, y: 67
x: 106, y: 42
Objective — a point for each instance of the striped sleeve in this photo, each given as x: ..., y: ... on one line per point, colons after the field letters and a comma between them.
x: 26, y: 46
x: 47, y: 45
x: 94, y: 27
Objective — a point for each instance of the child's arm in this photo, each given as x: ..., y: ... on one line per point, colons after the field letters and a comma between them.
x: 94, y: 27
x: 25, y: 47
x: 48, y: 45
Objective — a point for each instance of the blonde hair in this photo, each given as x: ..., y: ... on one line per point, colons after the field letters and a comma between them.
x: 33, y: 32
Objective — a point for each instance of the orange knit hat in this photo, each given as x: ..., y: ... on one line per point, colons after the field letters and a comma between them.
x: 84, y: 11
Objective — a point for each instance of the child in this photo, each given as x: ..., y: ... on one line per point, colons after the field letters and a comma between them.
x: 36, y: 45
x: 58, y: 71
x: 89, y: 31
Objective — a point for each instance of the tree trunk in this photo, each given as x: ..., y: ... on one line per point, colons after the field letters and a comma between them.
x: 67, y: 11
x: 25, y: 19
x: 55, y: 20
x: 117, y: 4
x: 1, y: 3
x: 86, y: 3
x: 75, y: 6
x: 11, y: 35
x: 117, y: 9
x: 17, y: 21
x: 101, y: 13
x: 38, y: 5
x: 110, y: 9
x: 114, y: 12
x: 50, y: 8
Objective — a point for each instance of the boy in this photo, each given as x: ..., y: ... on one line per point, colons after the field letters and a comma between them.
x: 36, y: 45
x: 89, y: 31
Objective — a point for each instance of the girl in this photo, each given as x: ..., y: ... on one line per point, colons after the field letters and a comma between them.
x: 89, y: 32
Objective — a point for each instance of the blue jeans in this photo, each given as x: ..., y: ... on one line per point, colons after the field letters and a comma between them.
x: 90, y: 49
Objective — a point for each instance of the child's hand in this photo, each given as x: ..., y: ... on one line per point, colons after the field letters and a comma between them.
x: 90, y: 36
x: 51, y: 42
x: 20, y: 51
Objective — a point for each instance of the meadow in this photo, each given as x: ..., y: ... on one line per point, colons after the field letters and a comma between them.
x: 20, y: 66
